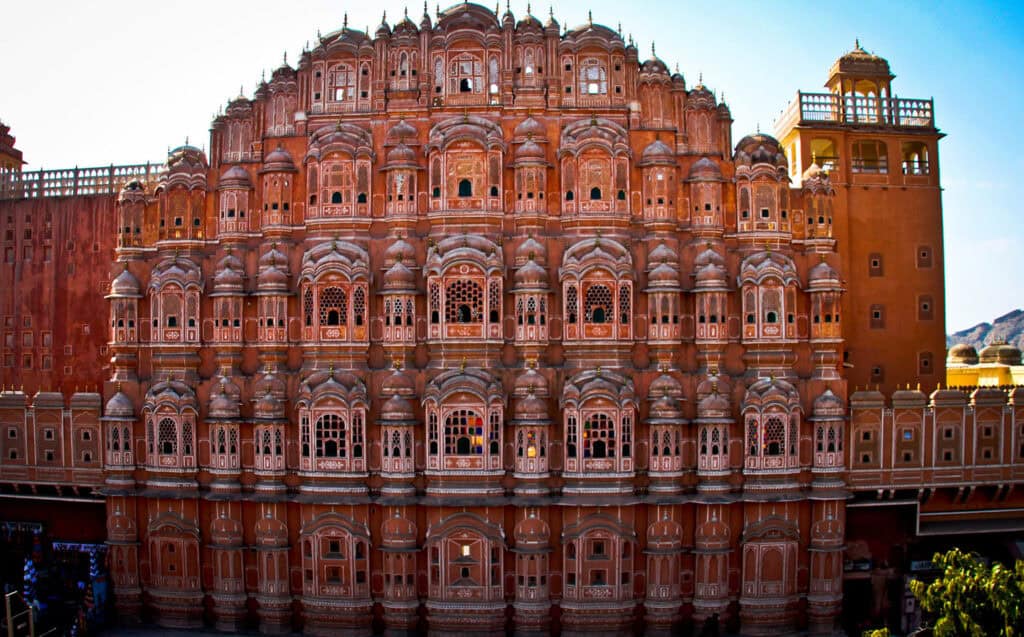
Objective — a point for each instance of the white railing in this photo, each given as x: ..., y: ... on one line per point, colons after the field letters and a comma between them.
x: 857, y: 109
x: 72, y: 182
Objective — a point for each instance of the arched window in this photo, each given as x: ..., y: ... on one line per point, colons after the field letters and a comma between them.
x: 595, y: 193
x: 593, y: 78
x: 330, y: 437
x: 598, y: 305
x: 464, y: 300
x: 774, y: 436
x: 465, y: 188
x: 464, y: 433
x: 333, y: 306
x: 343, y: 83
x: 599, y: 436
x: 167, y: 443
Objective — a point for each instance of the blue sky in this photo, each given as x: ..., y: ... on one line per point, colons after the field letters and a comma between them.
x: 118, y: 82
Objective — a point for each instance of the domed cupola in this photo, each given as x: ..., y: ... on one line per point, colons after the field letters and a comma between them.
x: 399, y: 250
x: 962, y: 354
x: 529, y: 152
x: 529, y: 129
x: 531, y: 276
x: 530, y: 250
x: 119, y: 406
x: 278, y: 161
x: 532, y: 532
x: 234, y: 177
x: 268, y: 407
x: 401, y: 133
x: 398, y: 533
x: 399, y: 278
x: 383, y: 29
x: 125, y: 286
x: 398, y: 383
x: 704, y: 169
x: 401, y: 156
x: 1000, y: 352
x: 657, y: 153
x: 228, y: 279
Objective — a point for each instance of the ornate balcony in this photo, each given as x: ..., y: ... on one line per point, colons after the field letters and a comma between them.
x: 856, y: 110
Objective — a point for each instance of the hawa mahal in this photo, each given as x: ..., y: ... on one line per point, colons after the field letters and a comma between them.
x: 483, y: 324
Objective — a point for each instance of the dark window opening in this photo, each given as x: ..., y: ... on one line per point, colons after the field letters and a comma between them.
x: 465, y: 188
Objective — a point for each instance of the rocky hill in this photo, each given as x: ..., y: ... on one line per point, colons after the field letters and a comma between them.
x: 1008, y: 327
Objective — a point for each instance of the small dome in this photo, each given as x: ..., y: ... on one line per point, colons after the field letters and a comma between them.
x: 278, y: 161
x: 663, y: 275
x: 1000, y: 352
x: 529, y: 151
x: 529, y: 129
x: 654, y: 66
x: 272, y: 278
x: 530, y: 249
x: 268, y: 407
x: 828, y: 405
x: 119, y: 406
x: 664, y: 385
x: 401, y: 156
x: 228, y: 279
x: 662, y: 253
x: 223, y: 405
x: 402, y: 133
x: 657, y: 153
x: 398, y: 533
x: 709, y: 257
x: 528, y: 22
x: 397, y: 408
x: 821, y: 273
x: 235, y: 177
x: 666, y: 407
x: 531, y: 275
x: 531, y: 407
x: 714, y: 405
x: 859, y: 62
x: 705, y: 170
x: 125, y: 285
x: 530, y: 382
x: 532, y: 531
x: 383, y: 29
x: 962, y: 354
x: 711, y: 275
x: 398, y: 384
x: 399, y: 278
x: 399, y: 250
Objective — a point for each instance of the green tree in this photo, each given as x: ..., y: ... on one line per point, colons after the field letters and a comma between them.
x: 876, y: 632
x: 971, y: 599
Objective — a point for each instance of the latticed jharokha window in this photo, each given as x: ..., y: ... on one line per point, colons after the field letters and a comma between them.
x: 359, y: 306
x: 598, y: 306
x: 494, y: 300
x: 466, y: 75
x: 343, y: 83
x: 571, y: 302
x: 333, y: 306
x: 464, y: 301
x: 330, y: 437
x: 599, y: 437
x: 774, y: 437
x: 464, y: 433
x: 593, y: 78
x: 167, y: 443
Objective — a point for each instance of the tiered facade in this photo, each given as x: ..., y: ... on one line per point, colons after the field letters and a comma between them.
x: 481, y: 324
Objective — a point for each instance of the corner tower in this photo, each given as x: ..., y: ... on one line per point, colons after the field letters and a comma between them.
x: 881, y: 154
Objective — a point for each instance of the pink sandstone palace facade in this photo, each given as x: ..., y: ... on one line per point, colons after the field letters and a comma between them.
x: 482, y: 324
